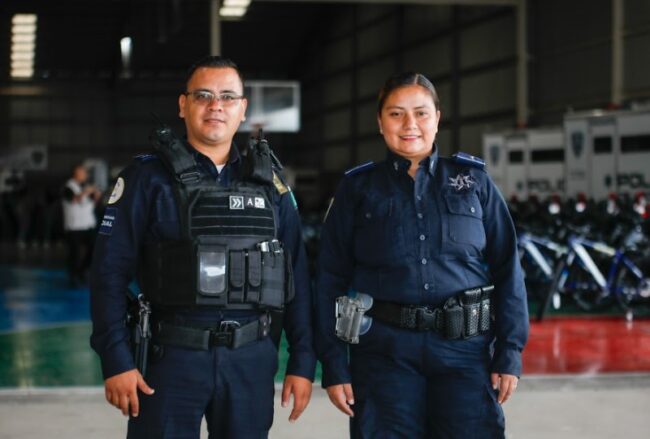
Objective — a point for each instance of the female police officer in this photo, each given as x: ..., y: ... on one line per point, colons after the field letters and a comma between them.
x: 426, y: 246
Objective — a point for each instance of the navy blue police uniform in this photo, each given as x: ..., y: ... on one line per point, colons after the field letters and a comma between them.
x: 419, y: 242
x: 232, y: 388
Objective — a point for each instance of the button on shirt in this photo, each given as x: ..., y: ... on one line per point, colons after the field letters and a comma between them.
x: 420, y: 241
x: 146, y: 213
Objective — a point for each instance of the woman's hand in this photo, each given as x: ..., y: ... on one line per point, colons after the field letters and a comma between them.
x: 342, y: 397
x: 506, y: 385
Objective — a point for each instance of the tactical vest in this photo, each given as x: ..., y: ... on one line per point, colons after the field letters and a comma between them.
x: 228, y: 255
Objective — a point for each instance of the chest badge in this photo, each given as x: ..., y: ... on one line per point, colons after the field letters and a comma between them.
x: 461, y: 182
x: 236, y: 202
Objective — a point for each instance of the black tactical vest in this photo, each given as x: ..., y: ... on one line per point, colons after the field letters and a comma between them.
x: 228, y: 256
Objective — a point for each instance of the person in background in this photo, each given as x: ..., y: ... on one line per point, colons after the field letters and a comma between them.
x: 79, y: 223
x: 419, y: 274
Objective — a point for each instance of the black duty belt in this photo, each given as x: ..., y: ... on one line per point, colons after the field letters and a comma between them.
x: 464, y: 315
x: 229, y: 333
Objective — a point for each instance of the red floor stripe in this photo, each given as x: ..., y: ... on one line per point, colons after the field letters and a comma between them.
x: 587, y: 346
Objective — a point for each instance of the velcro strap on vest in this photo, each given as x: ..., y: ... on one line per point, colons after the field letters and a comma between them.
x: 462, y: 316
x: 229, y: 333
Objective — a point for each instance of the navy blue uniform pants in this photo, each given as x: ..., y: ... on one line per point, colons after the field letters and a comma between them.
x: 415, y: 385
x: 232, y: 388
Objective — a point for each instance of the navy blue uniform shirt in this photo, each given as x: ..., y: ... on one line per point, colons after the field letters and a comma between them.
x: 144, y: 211
x: 419, y: 241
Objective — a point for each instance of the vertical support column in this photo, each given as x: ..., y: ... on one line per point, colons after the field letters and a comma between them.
x: 522, y: 63
x: 455, y: 80
x: 617, y: 52
x: 354, y: 89
x: 215, y: 28
x: 399, y: 39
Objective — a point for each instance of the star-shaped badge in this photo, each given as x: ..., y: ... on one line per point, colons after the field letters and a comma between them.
x: 461, y: 182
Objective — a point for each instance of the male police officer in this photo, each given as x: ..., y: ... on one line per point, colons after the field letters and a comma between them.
x: 209, y: 241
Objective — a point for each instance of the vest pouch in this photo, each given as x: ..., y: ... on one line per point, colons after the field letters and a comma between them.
x: 212, y: 275
x: 237, y: 276
x: 273, y: 280
x: 254, y: 276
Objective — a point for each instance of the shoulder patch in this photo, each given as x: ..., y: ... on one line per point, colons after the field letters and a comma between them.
x: 465, y: 159
x: 363, y: 167
x: 279, y: 184
x: 118, y: 190
x: 145, y: 157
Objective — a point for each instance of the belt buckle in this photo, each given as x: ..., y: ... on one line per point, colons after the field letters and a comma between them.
x: 425, y: 319
x: 228, y: 325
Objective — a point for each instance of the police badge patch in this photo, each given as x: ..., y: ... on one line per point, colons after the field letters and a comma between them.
x: 118, y: 191
x: 461, y: 182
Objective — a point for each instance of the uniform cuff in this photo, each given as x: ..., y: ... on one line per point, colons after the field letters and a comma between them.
x: 507, y: 361
x: 302, y: 364
x: 117, y: 360
x: 338, y: 373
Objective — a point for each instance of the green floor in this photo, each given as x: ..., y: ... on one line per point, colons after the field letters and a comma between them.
x: 60, y: 356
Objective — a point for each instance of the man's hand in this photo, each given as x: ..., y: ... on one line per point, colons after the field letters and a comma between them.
x: 506, y: 385
x: 301, y: 389
x: 122, y: 391
x: 342, y: 397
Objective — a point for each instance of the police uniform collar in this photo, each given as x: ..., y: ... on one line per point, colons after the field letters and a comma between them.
x: 399, y: 163
x: 233, y: 157
x: 433, y: 160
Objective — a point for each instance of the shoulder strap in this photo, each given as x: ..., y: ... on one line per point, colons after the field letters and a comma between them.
x: 180, y: 162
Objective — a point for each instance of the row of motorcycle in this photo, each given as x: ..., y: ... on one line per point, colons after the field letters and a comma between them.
x: 593, y: 254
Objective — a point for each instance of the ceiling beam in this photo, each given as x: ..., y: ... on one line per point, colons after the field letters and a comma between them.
x: 408, y: 2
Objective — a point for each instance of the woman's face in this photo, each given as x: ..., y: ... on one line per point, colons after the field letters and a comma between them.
x: 409, y: 122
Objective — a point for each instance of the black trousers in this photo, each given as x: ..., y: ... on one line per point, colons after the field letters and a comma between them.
x: 80, y: 250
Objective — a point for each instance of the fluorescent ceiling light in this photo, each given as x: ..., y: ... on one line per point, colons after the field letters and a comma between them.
x: 24, y: 28
x: 232, y: 11
x: 23, y: 38
x: 23, y: 47
x: 126, y: 44
x: 22, y: 73
x: 240, y: 3
x: 24, y: 19
x: 22, y: 56
x: 21, y: 64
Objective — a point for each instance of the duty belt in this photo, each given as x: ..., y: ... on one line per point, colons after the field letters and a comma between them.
x: 464, y: 315
x: 228, y: 333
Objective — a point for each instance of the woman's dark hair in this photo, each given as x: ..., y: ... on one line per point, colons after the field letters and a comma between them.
x: 213, y: 61
x: 403, y: 80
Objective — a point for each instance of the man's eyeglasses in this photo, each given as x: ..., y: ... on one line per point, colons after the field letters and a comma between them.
x: 206, y: 97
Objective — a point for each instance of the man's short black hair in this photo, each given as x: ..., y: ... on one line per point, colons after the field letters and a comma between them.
x: 213, y: 61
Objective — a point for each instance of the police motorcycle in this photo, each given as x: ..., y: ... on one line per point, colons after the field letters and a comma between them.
x: 228, y: 257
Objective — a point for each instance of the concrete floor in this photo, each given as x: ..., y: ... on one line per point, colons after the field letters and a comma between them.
x: 559, y: 407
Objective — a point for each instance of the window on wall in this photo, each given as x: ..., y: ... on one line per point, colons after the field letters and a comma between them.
x: 547, y: 155
x: 516, y: 156
x: 602, y: 145
x: 632, y: 144
x: 273, y: 106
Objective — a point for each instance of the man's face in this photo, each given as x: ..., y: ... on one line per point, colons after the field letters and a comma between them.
x: 212, y: 124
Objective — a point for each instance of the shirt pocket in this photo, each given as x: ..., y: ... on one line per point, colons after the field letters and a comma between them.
x: 464, y: 220
x: 378, y: 236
